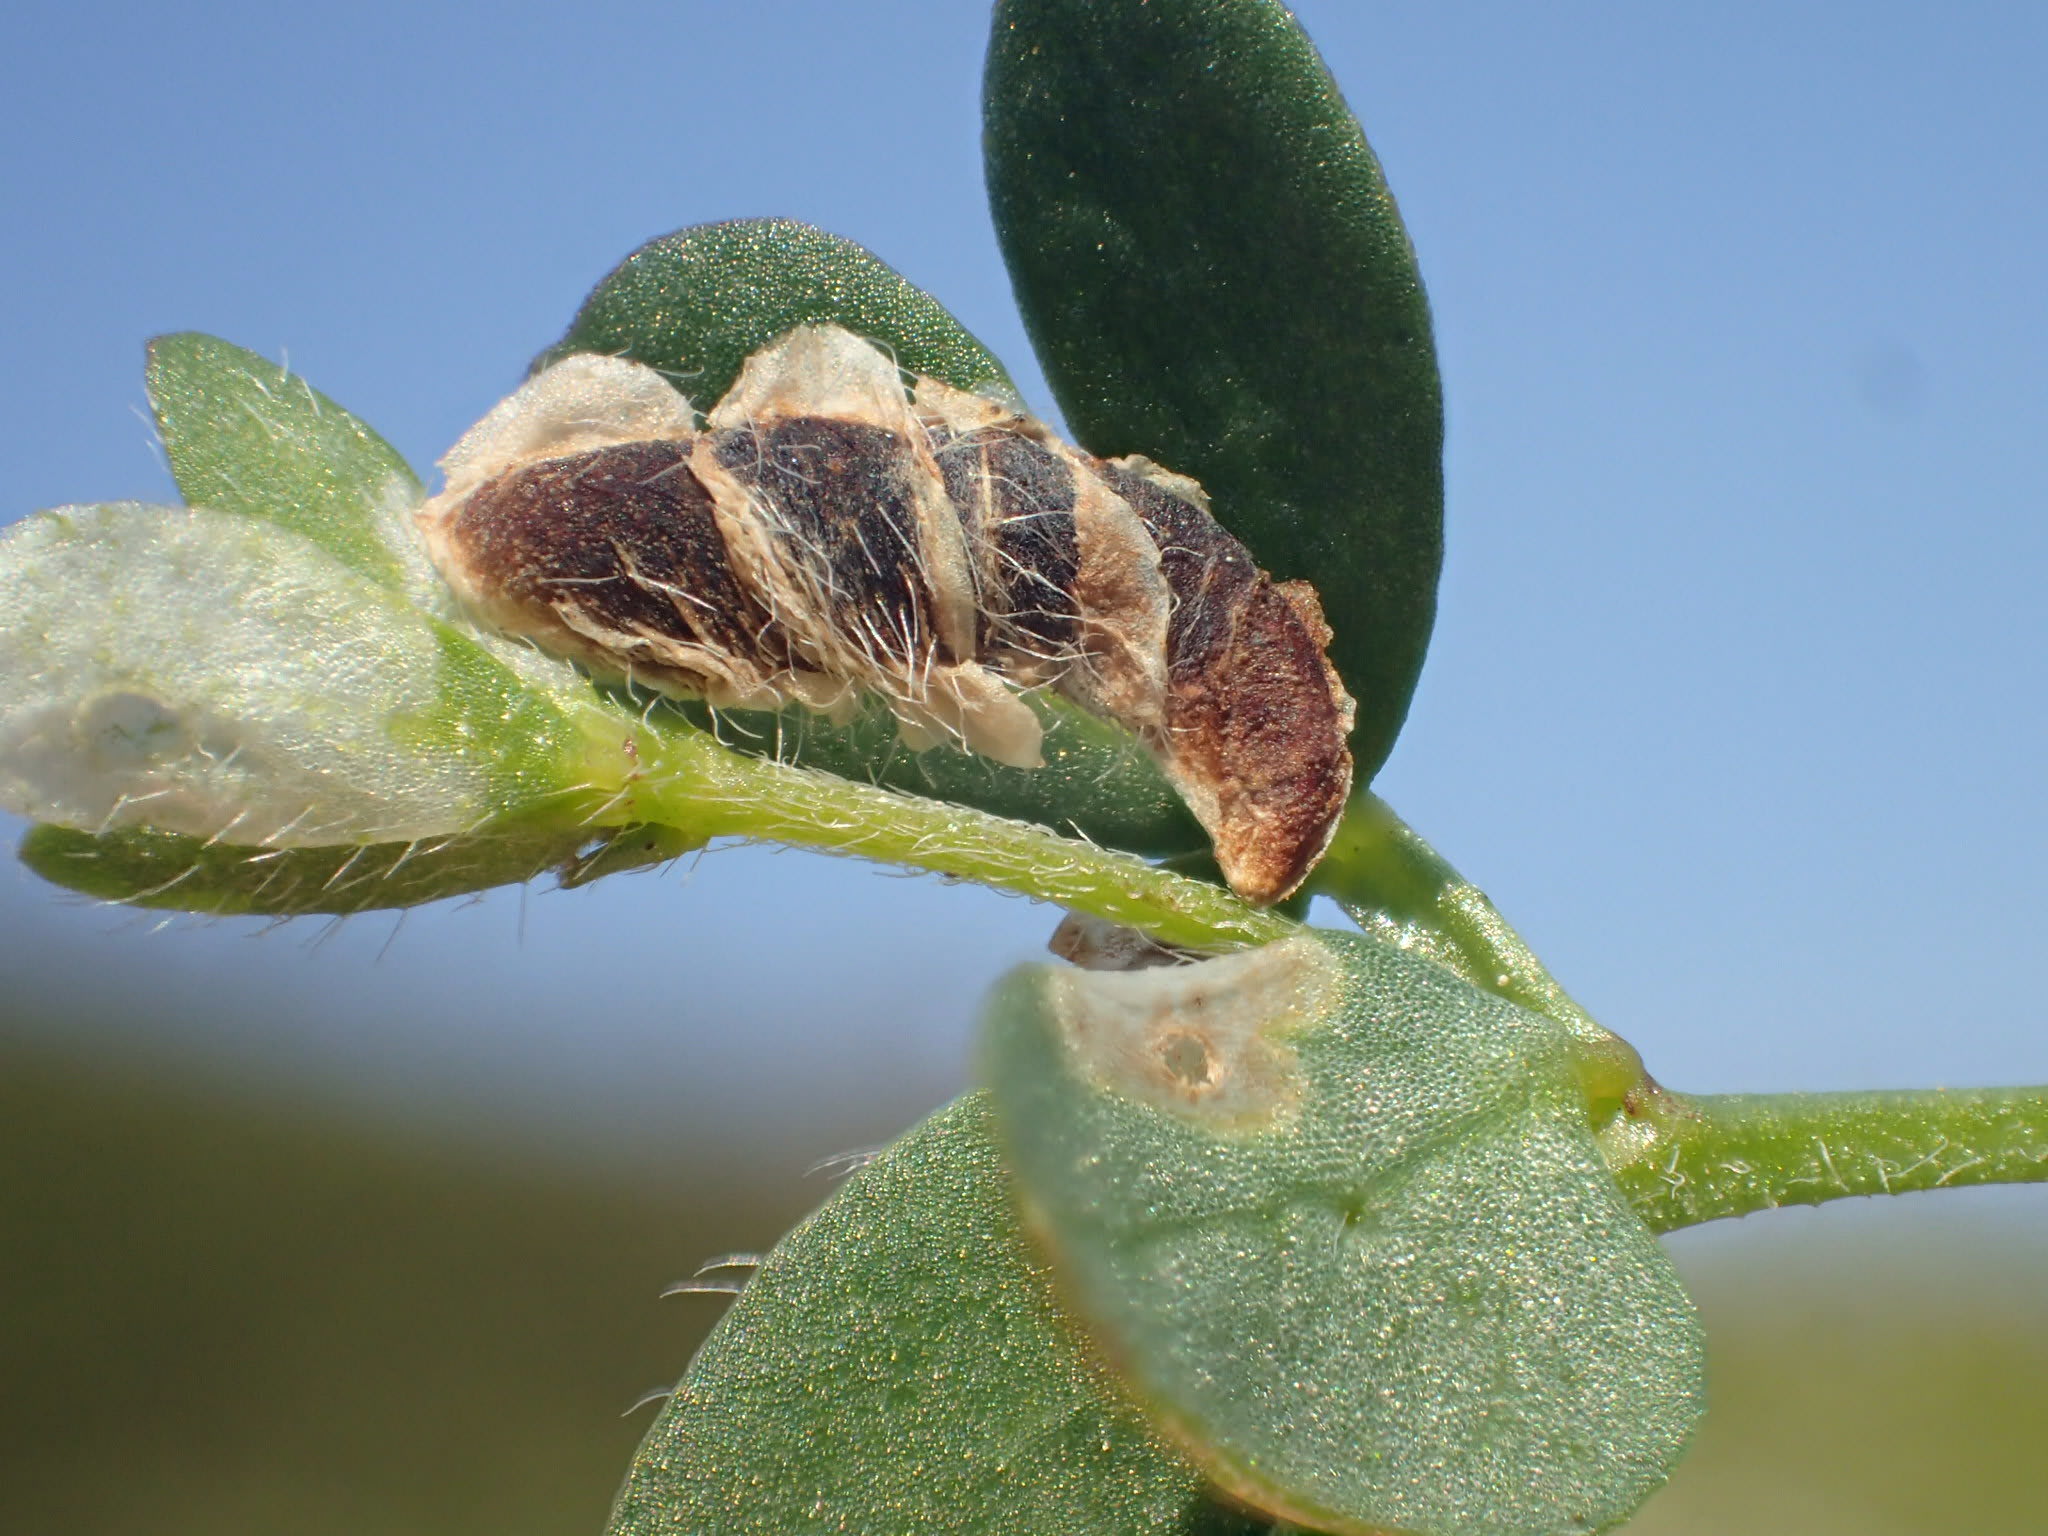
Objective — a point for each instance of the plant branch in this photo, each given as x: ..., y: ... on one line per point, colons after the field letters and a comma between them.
x: 1397, y: 888
x: 684, y: 780
x: 1687, y: 1160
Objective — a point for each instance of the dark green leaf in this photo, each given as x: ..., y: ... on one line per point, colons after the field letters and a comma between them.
x: 147, y: 868
x: 898, y: 1365
x: 1339, y: 1218
x: 695, y: 304
x: 1215, y: 276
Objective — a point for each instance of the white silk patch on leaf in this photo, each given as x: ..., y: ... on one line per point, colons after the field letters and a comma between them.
x: 209, y: 674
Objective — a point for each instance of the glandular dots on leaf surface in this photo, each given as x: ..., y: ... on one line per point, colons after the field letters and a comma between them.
x: 829, y: 534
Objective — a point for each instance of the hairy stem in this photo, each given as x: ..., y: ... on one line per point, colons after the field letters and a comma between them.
x: 1686, y: 1160
x: 684, y: 780
x: 1398, y: 888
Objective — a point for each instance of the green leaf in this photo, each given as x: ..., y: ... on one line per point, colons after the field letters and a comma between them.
x: 207, y: 673
x: 1338, y: 1216
x: 245, y: 435
x: 898, y: 1364
x: 147, y: 868
x: 695, y: 304
x: 1215, y: 276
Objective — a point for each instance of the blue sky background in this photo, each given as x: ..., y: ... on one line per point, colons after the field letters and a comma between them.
x: 1738, y: 704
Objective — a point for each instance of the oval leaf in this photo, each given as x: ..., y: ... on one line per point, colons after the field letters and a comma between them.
x: 1339, y: 1218
x: 898, y: 1364
x: 209, y: 674
x: 246, y: 435
x: 1215, y: 275
x: 696, y: 303
x: 164, y: 870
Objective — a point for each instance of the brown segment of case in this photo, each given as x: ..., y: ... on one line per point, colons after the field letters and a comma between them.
x: 1109, y: 581
x: 621, y: 538
x: 836, y: 489
x: 1015, y: 497
x: 1256, y: 716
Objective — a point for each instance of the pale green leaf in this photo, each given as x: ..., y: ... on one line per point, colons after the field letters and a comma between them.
x: 1338, y: 1216
x: 244, y: 434
x: 898, y: 1364
x: 210, y: 674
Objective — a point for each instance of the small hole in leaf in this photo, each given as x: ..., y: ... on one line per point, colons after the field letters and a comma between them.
x: 1186, y: 1059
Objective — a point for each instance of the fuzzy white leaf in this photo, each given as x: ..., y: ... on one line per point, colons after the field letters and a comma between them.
x: 210, y: 674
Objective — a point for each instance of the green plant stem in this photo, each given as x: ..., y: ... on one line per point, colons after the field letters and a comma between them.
x: 684, y: 780
x: 1686, y: 1160
x: 1396, y: 887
